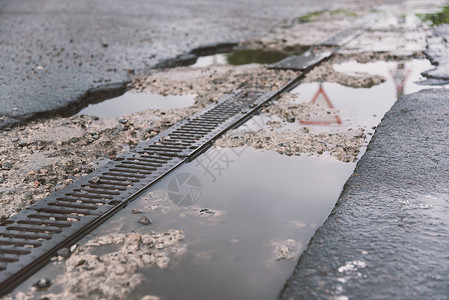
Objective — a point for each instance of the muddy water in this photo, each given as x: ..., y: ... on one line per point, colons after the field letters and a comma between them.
x: 241, y: 57
x: 256, y: 202
x: 134, y: 102
x: 358, y: 107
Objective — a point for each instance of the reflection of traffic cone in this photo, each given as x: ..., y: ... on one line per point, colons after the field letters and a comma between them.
x: 322, y: 100
x: 400, y: 76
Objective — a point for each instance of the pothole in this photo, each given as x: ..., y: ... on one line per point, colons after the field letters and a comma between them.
x: 131, y: 102
x: 242, y: 57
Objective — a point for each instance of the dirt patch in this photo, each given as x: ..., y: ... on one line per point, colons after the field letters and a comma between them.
x: 114, y: 274
x: 210, y: 83
x: 40, y: 158
x: 343, y: 146
x: 326, y: 73
x: 289, y: 111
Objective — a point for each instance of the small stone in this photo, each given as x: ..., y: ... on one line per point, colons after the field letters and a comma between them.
x: 42, y: 284
x: 123, y: 121
x: 144, y: 220
x: 95, y: 179
x: 1, y: 180
x: 80, y: 262
x: 150, y: 297
x: 291, y: 119
x: 206, y: 211
x: 6, y: 165
x: 136, y: 211
x: 64, y: 252
x: 73, y: 248
x: 95, y: 136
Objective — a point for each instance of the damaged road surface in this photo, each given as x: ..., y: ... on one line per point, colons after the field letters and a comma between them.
x: 220, y: 213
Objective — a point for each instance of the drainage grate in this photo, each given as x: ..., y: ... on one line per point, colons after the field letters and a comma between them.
x: 302, y: 62
x: 30, y: 238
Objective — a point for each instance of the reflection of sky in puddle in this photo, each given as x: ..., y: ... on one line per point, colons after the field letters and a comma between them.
x: 281, y: 198
x: 134, y: 102
x: 358, y: 107
x: 265, y: 197
x: 204, y: 61
x: 241, y: 57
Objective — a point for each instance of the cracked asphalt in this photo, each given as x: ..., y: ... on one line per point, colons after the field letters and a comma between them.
x: 54, y: 53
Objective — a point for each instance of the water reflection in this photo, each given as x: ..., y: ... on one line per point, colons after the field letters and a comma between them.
x: 321, y: 99
x: 241, y: 57
x: 400, y: 75
x: 363, y: 107
x: 134, y: 102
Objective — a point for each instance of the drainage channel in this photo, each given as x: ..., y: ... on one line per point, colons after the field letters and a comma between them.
x: 30, y: 238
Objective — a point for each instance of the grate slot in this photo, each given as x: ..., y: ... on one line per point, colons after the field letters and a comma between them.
x: 37, y: 229
x: 14, y: 250
x: 8, y: 258
x: 19, y: 243
x: 66, y: 211
x: 164, y: 147
x: 162, y: 153
x: 46, y: 223
x: 97, y: 191
x: 118, y: 174
x: 147, y: 160
x: 77, y: 200
x: 106, y: 187
x: 75, y: 206
x: 23, y: 236
x: 118, y: 180
x: 53, y: 216
x: 134, y: 170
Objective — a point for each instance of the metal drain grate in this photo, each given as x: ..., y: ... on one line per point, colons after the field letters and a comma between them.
x: 302, y: 62
x: 30, y: 238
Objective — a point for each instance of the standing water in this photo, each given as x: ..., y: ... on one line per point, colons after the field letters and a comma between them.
x: 246, y: 214
x: 129, y: 103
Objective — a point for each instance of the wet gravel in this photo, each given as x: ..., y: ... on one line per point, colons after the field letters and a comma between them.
x: 94, y: 271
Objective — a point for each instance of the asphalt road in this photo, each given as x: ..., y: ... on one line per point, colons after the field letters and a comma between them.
x: 388, y: 235
x: 52, y: 52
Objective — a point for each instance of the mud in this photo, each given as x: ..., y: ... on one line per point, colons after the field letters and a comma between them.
x: 115, y: 273
x: 42, y: 157
x: 211, y: 82
x: 343, y: 146
x: 325, y: 73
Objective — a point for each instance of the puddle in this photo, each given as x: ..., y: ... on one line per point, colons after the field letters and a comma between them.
x: 436, y: 18
x: 134, y: 102
x: 241, y: 57
x: 357, y: 107
x: 255, y: 212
